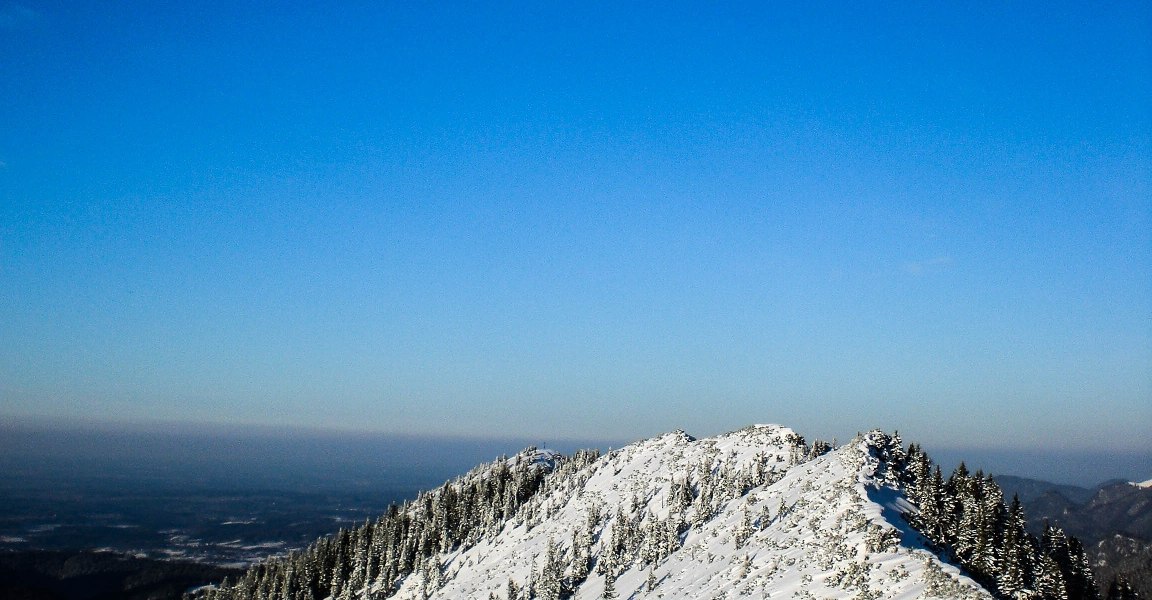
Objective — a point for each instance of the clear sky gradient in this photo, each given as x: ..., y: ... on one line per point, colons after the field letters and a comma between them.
x: 591, y: 220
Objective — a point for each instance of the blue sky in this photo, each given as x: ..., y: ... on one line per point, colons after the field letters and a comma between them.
x: 593, y: 221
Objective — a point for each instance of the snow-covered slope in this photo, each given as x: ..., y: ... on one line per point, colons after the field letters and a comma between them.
x: 741, y: 514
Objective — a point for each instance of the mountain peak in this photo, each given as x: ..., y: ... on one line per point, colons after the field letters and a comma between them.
x: 754, y: 512
x: 771, y: 521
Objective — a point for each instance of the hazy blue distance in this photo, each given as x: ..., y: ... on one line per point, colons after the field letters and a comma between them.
x: 92, y: 459
x: 182, y: 459
x: 597, y: 222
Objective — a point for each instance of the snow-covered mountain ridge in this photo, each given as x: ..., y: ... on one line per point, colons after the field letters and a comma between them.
x: 811, y: 529
x: 755, y: 512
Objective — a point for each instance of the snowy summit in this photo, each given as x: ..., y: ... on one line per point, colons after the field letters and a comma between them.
x: 753, y: 513
x: 813, y: 528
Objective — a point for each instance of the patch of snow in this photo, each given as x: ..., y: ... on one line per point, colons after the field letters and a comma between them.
x: 44, y: 528
x: 264, y: 546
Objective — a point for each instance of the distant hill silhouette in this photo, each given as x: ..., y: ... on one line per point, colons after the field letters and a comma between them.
x: 1114, y: 520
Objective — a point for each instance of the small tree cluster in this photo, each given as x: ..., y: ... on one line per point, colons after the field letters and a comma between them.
x: 965, y: 516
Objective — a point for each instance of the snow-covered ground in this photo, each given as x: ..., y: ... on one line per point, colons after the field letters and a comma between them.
x: 825, y: 528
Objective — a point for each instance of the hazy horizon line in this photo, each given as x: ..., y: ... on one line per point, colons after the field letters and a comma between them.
x: 1086, y: 467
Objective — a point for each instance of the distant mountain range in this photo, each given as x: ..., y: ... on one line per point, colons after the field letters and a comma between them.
x: 758, y: 512
x: 1114, y: 520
